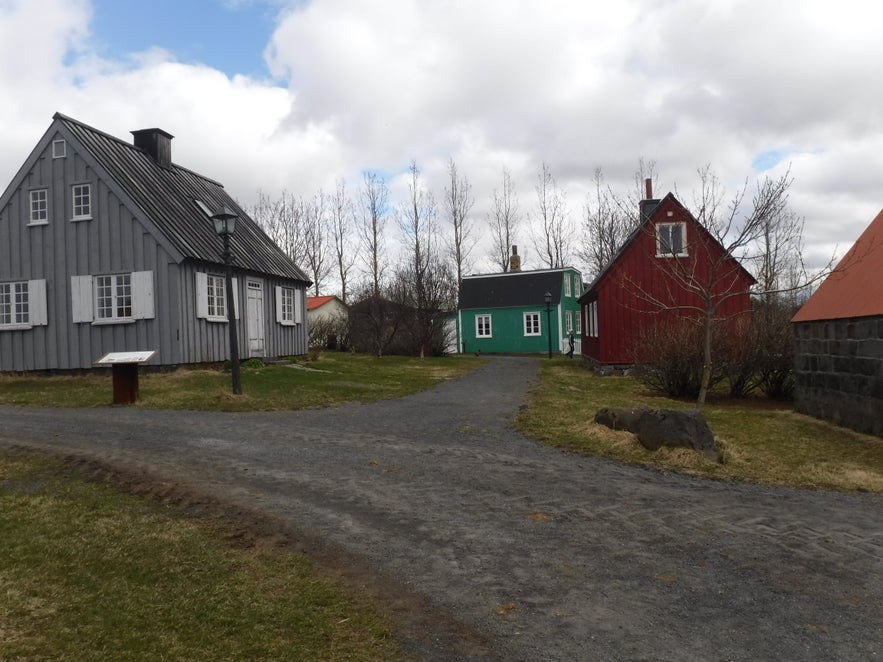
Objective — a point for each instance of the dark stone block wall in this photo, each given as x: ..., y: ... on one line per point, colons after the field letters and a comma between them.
x: 839, y: 372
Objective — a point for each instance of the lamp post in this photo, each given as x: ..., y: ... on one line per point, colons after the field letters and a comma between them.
x: 225, y: 223
x: 548, y: 297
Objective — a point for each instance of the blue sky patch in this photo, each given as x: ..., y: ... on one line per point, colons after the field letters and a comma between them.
x: 770, y: 158
x: 230, y: 37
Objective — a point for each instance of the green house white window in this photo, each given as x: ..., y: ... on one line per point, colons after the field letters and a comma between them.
x: 483, y: 326
x: 532, y: 324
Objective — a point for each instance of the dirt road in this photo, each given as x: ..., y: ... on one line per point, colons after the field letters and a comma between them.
x: 500, y: 548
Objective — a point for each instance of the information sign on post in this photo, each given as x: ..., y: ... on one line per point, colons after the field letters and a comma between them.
x: 124, y: 366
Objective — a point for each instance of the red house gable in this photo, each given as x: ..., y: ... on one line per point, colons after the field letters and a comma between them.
x: 649, y: 282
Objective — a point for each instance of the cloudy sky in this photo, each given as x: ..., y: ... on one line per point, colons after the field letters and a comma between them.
x: 294, y: 94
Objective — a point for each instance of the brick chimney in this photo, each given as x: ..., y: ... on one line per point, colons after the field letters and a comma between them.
x: 157, y: 143
x: 649, y: 203
x: 515, y: 260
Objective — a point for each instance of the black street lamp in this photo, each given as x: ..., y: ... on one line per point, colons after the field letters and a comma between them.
x: 225, y: 223
x: 548, y: 297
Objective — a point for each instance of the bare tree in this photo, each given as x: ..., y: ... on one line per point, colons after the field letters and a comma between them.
x: 341, y: 222
x: 374, y: 199
x: 315, y: 229
x: 458, y: 204
x: 553, y: 223
x: 283, y: 221
x: 607, y: 223
x: 427, y: 284
x: 746, y: 229
x: 504, y: 220
x: 374, y: 314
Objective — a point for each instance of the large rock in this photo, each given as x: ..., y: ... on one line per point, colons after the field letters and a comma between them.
x: 655, y: 428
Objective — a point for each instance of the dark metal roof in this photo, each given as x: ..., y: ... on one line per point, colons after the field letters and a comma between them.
x: 166, y: 197
x: 513, y: 288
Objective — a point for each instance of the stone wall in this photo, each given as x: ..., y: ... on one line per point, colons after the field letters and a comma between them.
x: 839, y: 372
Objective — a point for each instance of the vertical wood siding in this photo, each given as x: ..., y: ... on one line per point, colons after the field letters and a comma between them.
x: 624, y: 309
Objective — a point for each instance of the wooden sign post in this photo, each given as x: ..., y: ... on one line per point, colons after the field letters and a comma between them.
x: 125, y: 373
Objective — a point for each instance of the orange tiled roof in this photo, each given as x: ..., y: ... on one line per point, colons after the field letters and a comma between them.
x: 855, y: 287
x: 317, y: 302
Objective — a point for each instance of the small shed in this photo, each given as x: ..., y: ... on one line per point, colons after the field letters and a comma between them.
x: 839, y: 340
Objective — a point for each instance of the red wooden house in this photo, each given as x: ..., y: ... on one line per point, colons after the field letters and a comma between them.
x: 669, y: 270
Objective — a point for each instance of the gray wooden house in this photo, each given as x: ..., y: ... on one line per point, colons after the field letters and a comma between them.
x: 108, y: 246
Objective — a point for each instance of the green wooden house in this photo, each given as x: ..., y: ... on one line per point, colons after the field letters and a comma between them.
x: 520, y: 312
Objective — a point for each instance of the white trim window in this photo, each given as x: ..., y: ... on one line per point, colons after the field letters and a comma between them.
x: 288, y: 306
x: 592, y: 319
x: 215, y: 296
x: 567, y: 285
x: 483, y: 328
x: 81, y: 201
x: 59, y: 149
x: 22, y: 304
x: 532, y: 325
x: 211, y: 297
x: 39, y: 204
x: 112, y: 298
x: 568, y: 321
x: 671, y: 239
x: 579, y: 324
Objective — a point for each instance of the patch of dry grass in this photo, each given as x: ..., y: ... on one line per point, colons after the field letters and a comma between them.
x: 761, y: 442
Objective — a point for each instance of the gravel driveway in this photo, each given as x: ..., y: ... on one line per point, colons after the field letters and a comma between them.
x: 500, y: 548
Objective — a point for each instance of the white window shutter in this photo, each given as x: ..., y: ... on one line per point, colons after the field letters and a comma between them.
x: 142, y: 295
x: 236, y: 298
x: 81, y: 299
x: 278, y: 291
x: 37, y: 301
x: 298, y: 307
x: 201, y: 295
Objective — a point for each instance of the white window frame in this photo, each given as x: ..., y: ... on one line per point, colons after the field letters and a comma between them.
x: 202, y: 297
x: 113, y: 298
x: 81, y: 202
x: 288, y: 306
x: 533, y: 324
x: 660, y: 241
x: 39, y: 206
x: 85, y: 299
x: 568, y: 321
x: 22, y: 304
x: 484, y: 322
x: 59, y: 149
x: 579, y: 325
x: 216, y: 297
x: 567, y: 285
x: 592, y: 320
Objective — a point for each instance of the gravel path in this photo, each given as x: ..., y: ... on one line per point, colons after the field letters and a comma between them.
x: 521, y: 552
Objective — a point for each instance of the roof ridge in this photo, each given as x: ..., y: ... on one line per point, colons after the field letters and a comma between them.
x: 104, y: 134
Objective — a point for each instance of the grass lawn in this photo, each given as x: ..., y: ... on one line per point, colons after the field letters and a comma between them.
x: 89, y: 573
x: 760, y: 441
x: 332, y: 379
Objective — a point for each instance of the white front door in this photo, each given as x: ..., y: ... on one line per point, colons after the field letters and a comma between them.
x: 255, y: 318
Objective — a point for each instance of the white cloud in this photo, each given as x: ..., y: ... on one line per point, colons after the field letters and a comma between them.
x: 492, y: 84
